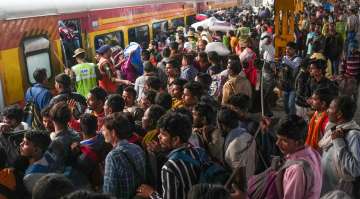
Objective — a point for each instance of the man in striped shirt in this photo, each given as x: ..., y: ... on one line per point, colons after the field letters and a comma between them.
x: 177, y: 175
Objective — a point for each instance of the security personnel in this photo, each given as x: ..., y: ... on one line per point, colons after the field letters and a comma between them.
x: 85, y: 74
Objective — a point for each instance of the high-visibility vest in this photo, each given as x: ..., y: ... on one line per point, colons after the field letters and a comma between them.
x: 85, y: 78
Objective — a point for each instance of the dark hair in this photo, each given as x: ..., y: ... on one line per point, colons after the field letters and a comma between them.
x: 13, y: 112
x: 164, y: 99
x: 176, y: 124
x: 204, y: 79
x: 204, y: 42
x: 213, y: 56
x: 189, y: 58
x: 145, y: 54
x: 347, y: 106
x: 227, y: 117
x: 203, y: 55
x: 131, y: 91
x: 64, y: 80
x: 195, y: 89
x: 179, y: 82
x: 208, y: 191
x: 173, y: 62
x: 60, y: 113
x: 88, y: 124
x: 148, y: 67
x: 200, y: 28
x: 166, y: 52
x: 174, y: 46
x: 115, y: 102
x: 38, y: 138
x: 155, y: 112
x: 206, y: 111
x: 40, y: 75
x: 85, y: 194
x: 184, y: 111
x: 317, y: 47
x: 234, y: 65
x: 52, y: 186
x: 46, y: 111
x: 292, y: 45
x: 240, y: 101
x: 325, y: 95
x: 293, y: 127
x: 318, y: 63
x: 98, y: 93
x: 120, y: 123
x: 153, y: 83
x: 150, y: 95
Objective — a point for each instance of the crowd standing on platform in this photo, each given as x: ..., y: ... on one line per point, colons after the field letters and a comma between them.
x: 176, y: 118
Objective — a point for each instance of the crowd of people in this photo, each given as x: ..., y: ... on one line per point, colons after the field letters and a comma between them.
x: 183, y: 121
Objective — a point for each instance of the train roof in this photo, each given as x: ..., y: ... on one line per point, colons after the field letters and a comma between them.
x: 14, y: 9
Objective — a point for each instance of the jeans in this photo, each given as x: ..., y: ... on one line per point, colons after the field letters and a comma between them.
x: 335, y: 68
x: 289, y: 102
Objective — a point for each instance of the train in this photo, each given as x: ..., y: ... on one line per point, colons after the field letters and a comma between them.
x: 42, y: 33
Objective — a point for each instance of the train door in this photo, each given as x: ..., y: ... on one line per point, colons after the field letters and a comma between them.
x: 70, y: 37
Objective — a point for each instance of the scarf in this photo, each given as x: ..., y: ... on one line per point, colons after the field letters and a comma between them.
x: 314, y: 129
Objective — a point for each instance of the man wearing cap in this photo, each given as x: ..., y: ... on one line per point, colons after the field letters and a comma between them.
x: 85, y: 74
x: 109, y: 81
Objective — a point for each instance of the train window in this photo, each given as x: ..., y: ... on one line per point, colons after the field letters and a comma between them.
x: 178, y: 22
x: 111, y: 38
x: 70, y: 34
x: 160, y: 30
x: 190, y: 20
x: 37, y: 55
x: 140, y: 35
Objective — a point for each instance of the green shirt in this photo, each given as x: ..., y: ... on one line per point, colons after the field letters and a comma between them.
x: 85, y: 78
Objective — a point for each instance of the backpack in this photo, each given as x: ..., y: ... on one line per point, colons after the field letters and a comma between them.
x: 210, y: 172
x: 32, y: 115
x: 268, y: 184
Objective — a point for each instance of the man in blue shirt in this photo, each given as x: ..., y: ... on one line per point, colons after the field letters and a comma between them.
x: 125, y: 165
x: 39, y: 93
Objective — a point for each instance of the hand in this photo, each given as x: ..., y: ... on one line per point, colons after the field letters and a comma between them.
x: 153, y: 146
x: 337, y: 133
x: 265, y: 123
x: 127, y: 82
x: 72, y: 104
x: 237, y: 194
x: 75, y: 148
x: 145, y: 191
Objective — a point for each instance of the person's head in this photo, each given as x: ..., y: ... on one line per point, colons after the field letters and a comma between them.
x: 79, y: 55
x: 104, y: 51
x: 317, y: 68
x: 52, y: 186
x: 85, y: 194
x: 290, y: 49
x: 175, y: 130
x: 149, y: 68
x: 317, y: 46
x: 145, y: 55
x: 114, y: 103
x: 96, y: 99
x: 332, y: 28
x: 203, y: 114
x: 147, y: 99
x: 172, y: 68
x: 34, y: 144
x: 116, y: 127
x: 199, y: 29
x: 204, y: 79
x: 177, y: 88
x: 166, y: 52
x: 174, y: 46
x: 164, y: 99
x: 234, y: 67
x: 321, y: 99
x: 227, y: 119
x: 312, y: 27
x: 40, y: 75
x: 46, y: 119
x: 241, y: 104
x: 60, y: 114
x: 291, y: 134
x: 62, y: 82
x: 192, y: 93
x: 187, y: 59
x: 318, y: 28
x: 202, y: 57
x: 88, y: 124
x: 152, y: 83
x: 342, y: 109
x: 12, y: 116
x: 129, y: 96
x: 151, y: 116
x: 213, y: 57
x: 201, y: 45
x: 208, y: 191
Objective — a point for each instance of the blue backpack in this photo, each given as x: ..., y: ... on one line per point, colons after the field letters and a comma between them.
x: 210, y: 172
